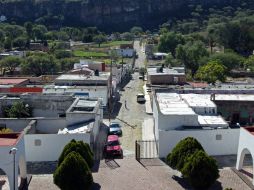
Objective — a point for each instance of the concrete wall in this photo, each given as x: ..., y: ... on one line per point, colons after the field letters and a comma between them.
x: 49, y: 147
x: 50, y: 125
x: 226, y: 146
x: 100, y: 92
x: 16, y: 125
x: 244, y: 109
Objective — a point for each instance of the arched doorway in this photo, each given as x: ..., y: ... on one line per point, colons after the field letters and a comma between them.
x: 246, y: 164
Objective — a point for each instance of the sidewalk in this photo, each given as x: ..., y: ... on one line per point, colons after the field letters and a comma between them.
x: 148, y: 105
x: 148, y: 129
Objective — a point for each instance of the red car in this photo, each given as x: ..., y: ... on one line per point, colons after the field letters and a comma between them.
x: 113, y: 147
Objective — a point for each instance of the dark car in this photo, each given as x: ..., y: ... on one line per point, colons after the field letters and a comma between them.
x: 113, y: 147
x: 115, y: 129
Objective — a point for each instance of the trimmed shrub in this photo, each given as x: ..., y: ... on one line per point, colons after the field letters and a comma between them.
x: 200, y: 170
x: 73, y: 173
x: 183, y: 150
x: 80, y: 147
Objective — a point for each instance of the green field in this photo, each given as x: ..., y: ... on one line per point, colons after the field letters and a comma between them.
x: 79, y: 53
x: 115, y: 43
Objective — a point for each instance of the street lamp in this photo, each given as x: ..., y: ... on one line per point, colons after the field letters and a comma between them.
x: 13, y: 151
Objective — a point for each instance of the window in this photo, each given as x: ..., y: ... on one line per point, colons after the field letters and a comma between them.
x: 37, y: 142
x: 218, y: 137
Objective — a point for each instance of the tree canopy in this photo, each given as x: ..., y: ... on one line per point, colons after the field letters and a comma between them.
x: 211, y: 72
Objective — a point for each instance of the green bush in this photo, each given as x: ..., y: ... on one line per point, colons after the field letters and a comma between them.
x: 80, y: 147
x: 73, y: 173
x: 183, y: 150
x: 201, y: 170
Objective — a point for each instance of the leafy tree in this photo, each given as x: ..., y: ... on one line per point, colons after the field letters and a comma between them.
x: 201, y: 170
x: 136, y: 30
x: 170, y: 61
x: 60, y: 54
x: 29, y: 29
x: 127, y: 36
x: 18, y: 110
x: 229, y: 60
x: 169, y: 41
x: 190, y: 54
x: 10, y: 63
x: 73, y: 173
x: 181, y: 151
x: 249, y: 63
x: 20, y: 42
x: 212, y: 72
x: 67, y: 64
x: 2, y: 35
x: 79, y: 147
x: 8, y: 43
x: 39, y: 65
x: 99, y: 39
x: 39, y: 32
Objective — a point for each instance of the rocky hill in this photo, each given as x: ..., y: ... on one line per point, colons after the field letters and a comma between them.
x: 117, y: 14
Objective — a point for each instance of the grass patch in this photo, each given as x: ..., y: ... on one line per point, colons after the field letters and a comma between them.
x: 79, y: 53
x: 115, y: 43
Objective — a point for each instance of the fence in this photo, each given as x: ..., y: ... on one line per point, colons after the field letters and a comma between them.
x: 146, y: 149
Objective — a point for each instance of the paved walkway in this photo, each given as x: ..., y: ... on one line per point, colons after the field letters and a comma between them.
x: 148, y: 129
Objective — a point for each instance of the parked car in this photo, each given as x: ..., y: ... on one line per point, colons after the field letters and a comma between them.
x: 113, y: 147
x: 141, y: 98
x: 115, y: 129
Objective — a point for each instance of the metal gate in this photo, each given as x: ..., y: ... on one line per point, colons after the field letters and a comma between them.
x: 146, y: 150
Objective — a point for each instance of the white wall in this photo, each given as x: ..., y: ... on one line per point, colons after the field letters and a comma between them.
x: 50, y: 125
x: 51, y: 145
x: 100, y: 92
x: 16, y: 125
x: 226, y: 146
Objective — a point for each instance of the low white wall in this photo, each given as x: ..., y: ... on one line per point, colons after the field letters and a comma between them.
x: 50, y: 125
x: 14, y: 124
x: 49, y: 146
x: 226, y: 146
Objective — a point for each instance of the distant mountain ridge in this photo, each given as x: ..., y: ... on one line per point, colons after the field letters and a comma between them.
x: 116, y: 14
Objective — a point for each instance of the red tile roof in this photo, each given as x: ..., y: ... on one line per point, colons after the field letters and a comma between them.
x: 9, y: 139
x: 6, y: 81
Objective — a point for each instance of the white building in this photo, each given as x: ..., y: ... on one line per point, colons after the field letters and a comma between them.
x: 56, y: 121
x: 82, y: 86
x: 177, y: 116
x: 13, y: 158
x: 127, y: 52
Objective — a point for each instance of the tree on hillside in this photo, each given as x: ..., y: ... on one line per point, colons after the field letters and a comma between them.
x: 136, y: 30
x: 249, y: 63
x: 73, y: 173
x: 211, y: 72
x: 181, y: 151
x: 10, y: 63
x: 39, y: 32
x: 229, y: 60
x: 200, y: 170
x: 190, y: 54
x: 29, y: 30
x: 169, y: 41
x: 99, y: 39
x: 39, y: 65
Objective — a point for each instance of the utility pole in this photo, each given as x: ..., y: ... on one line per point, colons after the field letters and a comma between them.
x: 110, y: 88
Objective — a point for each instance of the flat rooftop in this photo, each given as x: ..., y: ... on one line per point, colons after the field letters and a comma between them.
x: 234, y: 97
x: 198, y: 100
x: 9, y: 139
x: 77, y: 77
x: 83, y: 105
x: 166, y: 71
x: 205, y: 120
x: 172, y: 104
